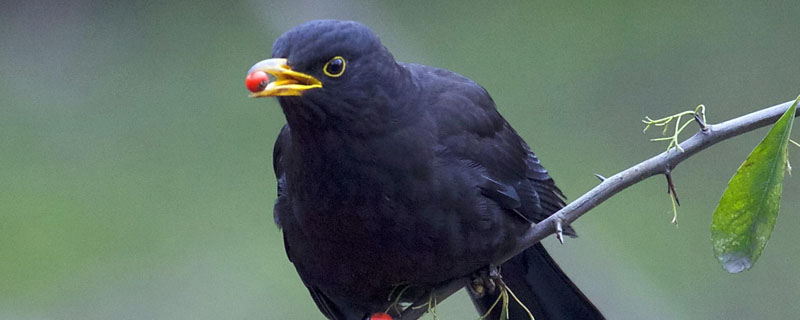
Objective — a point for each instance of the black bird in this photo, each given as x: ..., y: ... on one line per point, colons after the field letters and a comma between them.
x: 395, y: 178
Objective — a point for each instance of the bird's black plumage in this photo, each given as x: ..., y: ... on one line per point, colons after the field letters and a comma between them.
x: 403, y: 175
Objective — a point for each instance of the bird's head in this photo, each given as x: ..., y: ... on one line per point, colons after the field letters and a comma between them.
x: 327, y: 71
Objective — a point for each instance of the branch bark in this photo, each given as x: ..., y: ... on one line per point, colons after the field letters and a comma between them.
x: 659, y: 164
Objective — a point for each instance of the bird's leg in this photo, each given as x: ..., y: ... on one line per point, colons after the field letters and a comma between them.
x: 496, y: 280
x: 482, y: 281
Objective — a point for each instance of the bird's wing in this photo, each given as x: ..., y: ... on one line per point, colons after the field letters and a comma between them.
x: 472, y: 130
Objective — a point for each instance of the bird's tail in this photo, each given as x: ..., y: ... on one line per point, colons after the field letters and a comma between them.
x: 538, y: 283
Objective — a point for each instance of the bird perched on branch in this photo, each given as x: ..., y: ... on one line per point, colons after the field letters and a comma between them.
x: 396, y: 178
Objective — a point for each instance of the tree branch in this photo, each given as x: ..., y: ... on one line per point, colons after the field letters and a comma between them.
x: 660, y: 164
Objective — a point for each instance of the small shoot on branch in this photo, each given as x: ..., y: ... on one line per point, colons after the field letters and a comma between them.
x: 673, y: 196
x: 788, y: 165
x: 396, y: 304
x: 430, y: 305
x: 699, y: 115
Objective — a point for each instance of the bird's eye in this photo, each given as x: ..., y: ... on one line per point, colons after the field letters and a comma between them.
x: 334, y: 67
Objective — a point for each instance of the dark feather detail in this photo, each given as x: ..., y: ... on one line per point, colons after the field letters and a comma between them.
x: 504, y: 194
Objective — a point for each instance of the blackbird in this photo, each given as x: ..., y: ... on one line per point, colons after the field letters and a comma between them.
x: 395, y: 179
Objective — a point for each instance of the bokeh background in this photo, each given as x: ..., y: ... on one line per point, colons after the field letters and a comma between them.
x: 136, y: 179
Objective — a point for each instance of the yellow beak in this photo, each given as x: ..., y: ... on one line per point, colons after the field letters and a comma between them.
x: 287, y: 81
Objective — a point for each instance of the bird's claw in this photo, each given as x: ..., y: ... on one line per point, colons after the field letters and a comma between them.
x: 484, y: 281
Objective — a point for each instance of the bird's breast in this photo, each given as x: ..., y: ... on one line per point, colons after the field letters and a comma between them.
x: 391, y: 200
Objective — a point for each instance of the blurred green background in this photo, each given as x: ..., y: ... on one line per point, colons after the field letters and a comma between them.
x: 136, y: 179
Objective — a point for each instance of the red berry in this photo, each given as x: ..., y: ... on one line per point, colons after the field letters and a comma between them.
x: 380, y: 316
x: 256, y: 81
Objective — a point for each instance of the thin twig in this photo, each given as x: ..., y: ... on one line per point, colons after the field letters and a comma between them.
x: 671, y: 186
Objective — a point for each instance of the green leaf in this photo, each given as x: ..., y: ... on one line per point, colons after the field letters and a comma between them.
x: 745, y: 215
